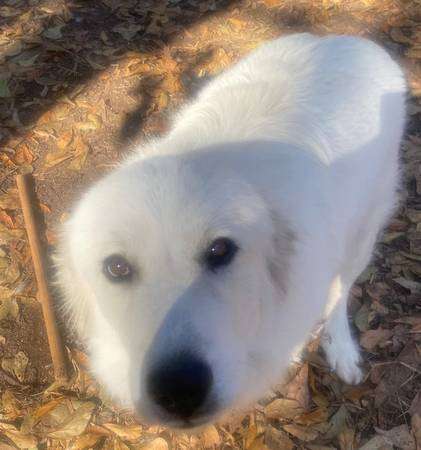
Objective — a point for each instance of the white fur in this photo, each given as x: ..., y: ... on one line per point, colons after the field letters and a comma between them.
x: 293, y: 153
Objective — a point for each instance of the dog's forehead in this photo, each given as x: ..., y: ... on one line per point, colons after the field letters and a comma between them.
x: 167, y: 204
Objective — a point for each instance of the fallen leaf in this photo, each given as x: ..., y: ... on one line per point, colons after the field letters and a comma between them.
x: 20, y: 365
x: 10, y: 200
x: 210, y: 437
x: 258, y: 444
x: 277, y: 439
x: 413, y: 286
x: 65, y: 140
x: 8, y: 306
x: 377, y: 443
x: 298, y: 390
x: 7, y: 235
x: 46, y: 408
x: 399, y: 436
x: 53, y: 32
x: 346, y: 439
x: 10, y: 409
x: 85, y: 442
x: 54, y: 158
x: 21, y: 440
x: 283, y: 408
x: 337, y: 422
x: 372, y: 338
x: 305, y: 434
x: 80, y: 153
x: 23, y: 155
x: 127, y: 30
x: 361, y: 318
x: 12, y: 49
x: 309, y: 418
x: 75, y: 424
x: 118, y: 444
x: 125, y: 432
x: 156, y: 444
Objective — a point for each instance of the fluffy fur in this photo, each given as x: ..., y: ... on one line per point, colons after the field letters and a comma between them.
x: 293, y: 153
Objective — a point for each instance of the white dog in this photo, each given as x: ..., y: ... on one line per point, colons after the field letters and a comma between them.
x: 197, y: 269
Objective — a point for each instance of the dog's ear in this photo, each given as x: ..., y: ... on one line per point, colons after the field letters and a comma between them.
x: 283, y: 240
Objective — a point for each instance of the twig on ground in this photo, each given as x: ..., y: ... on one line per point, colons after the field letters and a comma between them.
x: 54, y: 338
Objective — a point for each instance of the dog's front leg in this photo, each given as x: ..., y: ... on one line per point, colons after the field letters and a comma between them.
x: 341, y: 351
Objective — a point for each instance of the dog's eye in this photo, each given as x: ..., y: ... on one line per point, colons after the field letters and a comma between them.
x: 117, y: 268
x: 220, y: 253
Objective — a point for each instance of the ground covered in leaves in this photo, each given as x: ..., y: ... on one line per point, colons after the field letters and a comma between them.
x: 83, y: 81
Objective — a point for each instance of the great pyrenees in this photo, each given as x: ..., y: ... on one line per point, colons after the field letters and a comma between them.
x: 197, y: 269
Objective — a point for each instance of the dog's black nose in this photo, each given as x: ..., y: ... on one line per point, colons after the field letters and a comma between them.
x: 181, y: 385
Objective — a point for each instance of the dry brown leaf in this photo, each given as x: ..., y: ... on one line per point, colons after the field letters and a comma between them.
x: 361, y: 318
x: 21, y: 440
x: 10, y: 200
x: 272, y: 3
x: 298, y: 389
x: 125, y: 432
x: 416, y: 429
x: 210, y: 438
x: 16, y: 365
x: 305, y: 434
x: 316, y: 416
x: 258, y: 444
x: 372, y: 338
x: 8, y: 305
x: 10, y: 408
x: 277, y: 439
x: 23, y: 155
x: 85, y: 442
x: 9, y: 272
x: 7, y: 235
x: 337, y: 422
x: 413, y: 286
x: 355, y: 393
x: 127, y: 30
x: 20, y: 364
x: 65, y: 140
x: 399, y: 436
x: 75, y: 424
x: 53, y: 32
x: 237, y: 24
x: 346, y: 439
x: 80, y: 154
x: 157, y: 444
x: 118, y: 444
x: 283, y: 408
x: 377, y: 443
x: 54, y: 158
x: 6, y: 219
x: 46, y: 408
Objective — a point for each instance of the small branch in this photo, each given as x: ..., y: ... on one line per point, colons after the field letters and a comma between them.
x: 54, y: 339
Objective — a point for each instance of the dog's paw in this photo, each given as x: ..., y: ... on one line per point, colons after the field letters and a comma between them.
x: 344, y: 358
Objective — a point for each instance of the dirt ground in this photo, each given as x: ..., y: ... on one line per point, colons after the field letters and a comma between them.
x: 81, y: 82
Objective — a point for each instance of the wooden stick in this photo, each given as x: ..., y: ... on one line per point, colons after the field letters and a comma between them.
x: 24, y: 183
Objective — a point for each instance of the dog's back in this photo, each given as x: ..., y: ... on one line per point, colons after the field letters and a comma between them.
x: 340, y: 98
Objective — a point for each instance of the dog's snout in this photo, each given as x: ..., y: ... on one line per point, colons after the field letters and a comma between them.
x: 181, y: 385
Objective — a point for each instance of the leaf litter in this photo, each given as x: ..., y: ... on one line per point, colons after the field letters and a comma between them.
x: 75, y: 79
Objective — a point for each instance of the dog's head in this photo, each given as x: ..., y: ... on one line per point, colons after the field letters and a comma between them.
x: 174, y: 270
